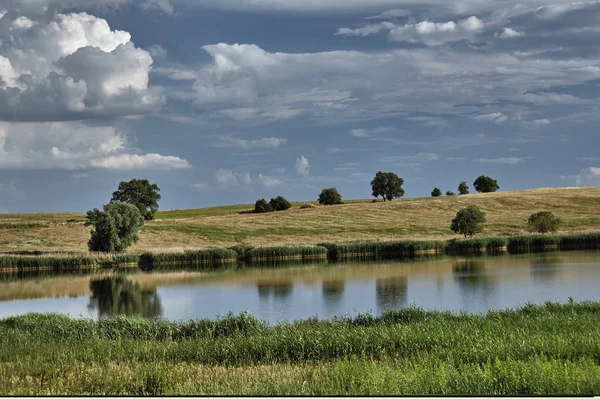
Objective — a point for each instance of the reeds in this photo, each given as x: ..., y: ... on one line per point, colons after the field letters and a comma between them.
x: 288, y: 253
x: 383, y: 249
x: 205, y: 259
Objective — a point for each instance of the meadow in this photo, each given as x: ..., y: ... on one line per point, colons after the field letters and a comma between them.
x: 406, y: 219
x: 538, y: 350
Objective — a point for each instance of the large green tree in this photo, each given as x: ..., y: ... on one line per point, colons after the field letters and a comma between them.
x: 485, y: 184
x: 330, y: 196
x: 543, y: 222
x: 141, y: 193
x: 468, y: 221
x: 115, y: 228
x: 388, y: 185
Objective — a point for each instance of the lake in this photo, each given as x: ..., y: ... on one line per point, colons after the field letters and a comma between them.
x: 471, y: 284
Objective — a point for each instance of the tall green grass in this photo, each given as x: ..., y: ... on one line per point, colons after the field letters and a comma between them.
x: 65, y: 261
x: 271, y: 254
x: 478, y: 244
x: 381, y: 249
x: 205, y: 259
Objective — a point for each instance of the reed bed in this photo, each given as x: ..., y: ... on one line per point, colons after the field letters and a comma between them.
x: 381, y: 249
x: 581, y: 241
x: 205, y: 259
x: 65, y: 261
x: 287, y: 253
x: 546, y: 349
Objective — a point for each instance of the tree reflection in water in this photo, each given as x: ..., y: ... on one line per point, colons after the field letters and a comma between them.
x: 471, y: 275
x: 391, y: 292
x: 333, y: 291
x: 114, y: 296
x: 544, y: 266
x: 281, y: 290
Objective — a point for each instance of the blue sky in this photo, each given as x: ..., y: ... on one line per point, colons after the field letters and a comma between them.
x: 225, y: 102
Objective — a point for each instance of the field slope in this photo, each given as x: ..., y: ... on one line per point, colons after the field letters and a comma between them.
x: 410, y: 218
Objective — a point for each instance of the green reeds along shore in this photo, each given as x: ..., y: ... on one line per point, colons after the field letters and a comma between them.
x: 376, y: 250
x: 282, y: 254
x: 550, y: 349
x: 64, y: 262
x: 202, y: 259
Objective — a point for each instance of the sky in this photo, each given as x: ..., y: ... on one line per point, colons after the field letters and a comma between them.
x: 226, y: 102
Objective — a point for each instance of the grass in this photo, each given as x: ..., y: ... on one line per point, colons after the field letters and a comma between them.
x: 377, y: 249
x: 405, y: 219
x: 203, y: 259
x: 269, y: 254
x: 539, y: 350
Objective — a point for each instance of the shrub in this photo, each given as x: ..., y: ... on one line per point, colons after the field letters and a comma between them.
x: 280, y: 204
x: 463, y: 188
x: 485, y: 184
x: 115, y: 228
x: 450, y: 193
x: 468, y: 221
x: 543, y: 222
x: 330, y: 196
x: 436, y: 192
x: 262, y: 206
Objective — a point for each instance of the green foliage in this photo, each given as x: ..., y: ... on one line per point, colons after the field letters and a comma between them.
x: 475, y: 245
x: 262, y: 206
x: 387, y: 185
x: 380, y: 249
x: 115, y: 228
x: 141, y: 193
x: 205, y: 259
x: 485, y: 184
x: 330, y: 196
x: 280, y: 204
x: 468, y: 221
x: 115, y: 296
x: 543, y: 222
x: 436, y: 192
x: 261, y: 254
x: 450, y: 193
x: 463, y: 188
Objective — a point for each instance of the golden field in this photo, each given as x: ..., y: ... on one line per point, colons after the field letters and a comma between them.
x: 357, y: 220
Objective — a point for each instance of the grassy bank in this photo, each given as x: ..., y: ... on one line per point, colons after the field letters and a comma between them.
x: 399, y: 220
x: 550, y: 349
x: 65, y: 262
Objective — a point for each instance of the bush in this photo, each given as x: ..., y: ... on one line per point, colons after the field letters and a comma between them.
x: 485, y: 184
x: 115, y: 228
x: 436, y: 192
x: 450, y: 193
x: 543, y: 222
x: 330, y: 196
x: 280, y: 204
x: 463, y: 188
x: 468, y: 221
x: 262, y: 206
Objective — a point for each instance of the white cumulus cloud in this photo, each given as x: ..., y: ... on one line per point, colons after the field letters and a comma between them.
x: 302, y: 166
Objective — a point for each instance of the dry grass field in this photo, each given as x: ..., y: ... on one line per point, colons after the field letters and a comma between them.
x: 401, y: 219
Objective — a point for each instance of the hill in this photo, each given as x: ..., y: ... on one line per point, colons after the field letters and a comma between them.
x: 409, y: 218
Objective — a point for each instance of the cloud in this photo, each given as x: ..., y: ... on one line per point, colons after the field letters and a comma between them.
x: 231, y: 142
x: 367, y: 30
x: 269, y: 181
x: 302, y: 166
x: 541, y: 122
x: 74, y: 145
x: 509, y: 33
x: 162, y: 5
x: 359, y: 133
x: 227, y: 177
x: 502, y: 161
x: 59, y: 67
x: 588, y: 177
x: 421, y: 157
x: 496, y: 117
x: 456, y: 159
x: 395, y: 13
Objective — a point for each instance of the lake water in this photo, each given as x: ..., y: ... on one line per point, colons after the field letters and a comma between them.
x: 471, y: 284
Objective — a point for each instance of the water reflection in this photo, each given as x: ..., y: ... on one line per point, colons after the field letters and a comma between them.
x: 391, y: 293
x: 545, y: 266
x: 471, y: 275
x: 118, y: 296
x: 279, y: 290
x: 333, y: 291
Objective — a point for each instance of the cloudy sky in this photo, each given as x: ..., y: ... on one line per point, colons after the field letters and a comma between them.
x: 227, y: 101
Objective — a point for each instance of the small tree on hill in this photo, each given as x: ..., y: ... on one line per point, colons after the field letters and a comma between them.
x: 262, y: 206
x: 450, y: 193
x: 387, y: 185
x: 543, y: 222
x: 468, y: 221
x: 280, y: 204
x: 485, y: 184
x: 141, y: 193
x: 436, y: 192
x: 330, y: 196
x: 463, y: 188
x: 115, y: 228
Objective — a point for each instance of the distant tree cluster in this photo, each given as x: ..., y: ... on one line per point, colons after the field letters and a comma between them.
x: 276, y: 204
x: 483, y: 184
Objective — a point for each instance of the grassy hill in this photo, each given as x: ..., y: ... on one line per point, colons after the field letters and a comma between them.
x: 410, y: 218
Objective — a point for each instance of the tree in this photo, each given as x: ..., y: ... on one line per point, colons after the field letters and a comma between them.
x: 450, y: 193
x: 436, y: 192
x: 468, y: 221
x: 262, y: 206
x: 140, y: 193
x: 388, y: 185
x: 280, y: 204
x: 484, y: 184
x: 463, y: 188
x: 115, y: 228
x: 330, y: 196
x: 543, y: 222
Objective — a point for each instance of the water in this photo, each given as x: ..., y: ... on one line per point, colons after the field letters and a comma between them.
x: 470, y: 284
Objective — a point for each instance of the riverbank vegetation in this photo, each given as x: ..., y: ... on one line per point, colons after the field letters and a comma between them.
x: 538, y: 350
